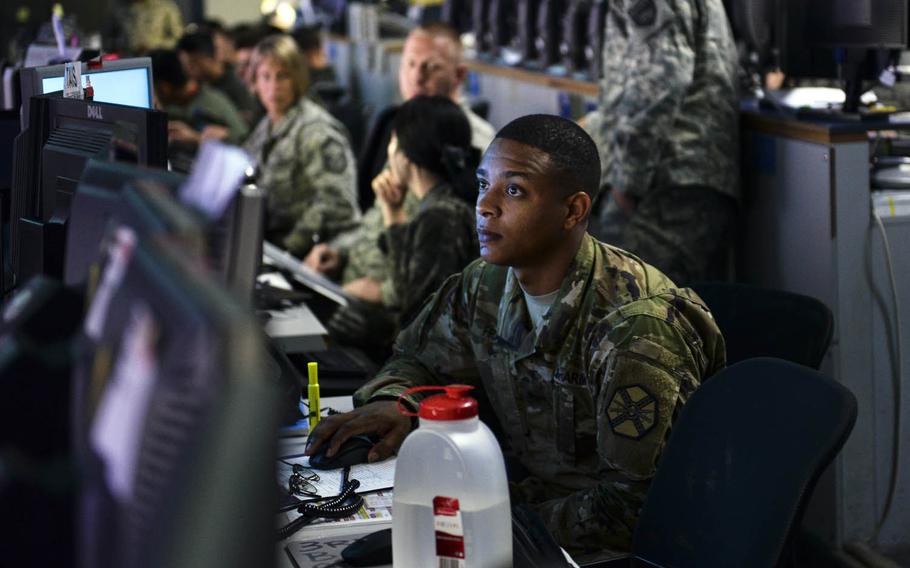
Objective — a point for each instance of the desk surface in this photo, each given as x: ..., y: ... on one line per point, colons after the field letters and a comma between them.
x: 296, y: 330
x: 789, y: 126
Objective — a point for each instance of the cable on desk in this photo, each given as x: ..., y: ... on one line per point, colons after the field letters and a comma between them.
x: 344, y: 505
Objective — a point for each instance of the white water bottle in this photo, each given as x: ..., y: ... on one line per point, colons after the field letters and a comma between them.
x: 451, y: 500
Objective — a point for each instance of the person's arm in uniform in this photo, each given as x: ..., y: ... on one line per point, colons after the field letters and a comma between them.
x: 435, y: 349
x: 641, y: 371
x: 649, y: 63
x: 325, y: 205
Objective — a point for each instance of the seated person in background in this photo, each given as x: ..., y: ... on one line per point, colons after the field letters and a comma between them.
x: 195, y: 111
x: 430, y: 157
x: 246, y: 37
x: 309, y: 41
x: 305, y: 160
x: 584, y: 353
x: 432, y: 65
x: 224, y: 43
x: 197, y: 55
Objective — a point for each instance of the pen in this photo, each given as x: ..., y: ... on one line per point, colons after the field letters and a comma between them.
x: 313, y: 393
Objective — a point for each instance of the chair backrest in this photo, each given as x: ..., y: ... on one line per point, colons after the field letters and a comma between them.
x: 742, y: 459
x: 761, y: 322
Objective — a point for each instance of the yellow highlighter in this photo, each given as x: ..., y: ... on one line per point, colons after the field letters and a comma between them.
x: 313, y: 393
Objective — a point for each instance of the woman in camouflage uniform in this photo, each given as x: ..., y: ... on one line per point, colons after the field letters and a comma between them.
x: 430, y: 156
x: 305, y: 161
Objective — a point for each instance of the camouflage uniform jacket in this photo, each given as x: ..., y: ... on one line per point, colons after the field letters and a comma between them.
x: 437, y: 243
x: 586, y: 405
x: 668, y: 99
x: 307, y: 169
x: 153, y: 24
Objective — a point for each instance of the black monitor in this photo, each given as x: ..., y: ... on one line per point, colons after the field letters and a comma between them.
x: 549, y: 31
x: 51, y: 155
x: 457, y: 13
x: 575, y: 36
x: 842, y: 40
x: 97, y: 200
x: 502, y: 25
x: 123, y: 81
x: 526, y: 29
x: 480, y: 10
x: 9, y: 130
x: 235, y: 242
x: 177, y: 447
x: 35, y: 367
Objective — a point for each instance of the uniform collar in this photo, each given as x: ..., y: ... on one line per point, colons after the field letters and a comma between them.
x: 513, y: 322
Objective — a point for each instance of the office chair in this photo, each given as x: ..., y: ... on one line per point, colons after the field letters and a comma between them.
x: 740, y: 465
x: 761, y: 322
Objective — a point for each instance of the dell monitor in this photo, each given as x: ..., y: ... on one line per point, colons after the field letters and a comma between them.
x: 177, y: 448
x: 51, y: 155
x: 123, y: 82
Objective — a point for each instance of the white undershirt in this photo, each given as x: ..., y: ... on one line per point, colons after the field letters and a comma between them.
x: 538, y: 306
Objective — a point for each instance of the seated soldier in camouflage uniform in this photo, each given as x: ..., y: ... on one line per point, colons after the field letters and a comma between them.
x: 429, y: 157
x: 305, y: 161
x: 196, y: 112
x: 584, y: 353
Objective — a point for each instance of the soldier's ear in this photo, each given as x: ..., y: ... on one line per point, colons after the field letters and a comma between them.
x: 578, y: 207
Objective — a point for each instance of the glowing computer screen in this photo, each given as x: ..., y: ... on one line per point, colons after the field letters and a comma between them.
x: 120, y: 86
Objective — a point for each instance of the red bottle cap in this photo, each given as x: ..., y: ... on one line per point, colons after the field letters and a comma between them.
x: 455, y: 404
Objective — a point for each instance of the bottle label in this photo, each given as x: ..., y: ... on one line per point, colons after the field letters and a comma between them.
x: 449, y: 533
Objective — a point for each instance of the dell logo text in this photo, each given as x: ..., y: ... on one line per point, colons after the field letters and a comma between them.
x: 94, y: 111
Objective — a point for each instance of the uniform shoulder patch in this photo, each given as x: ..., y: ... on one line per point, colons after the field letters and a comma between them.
x: 632, y: 412
x: 643, y: 12
x: 333, y: 156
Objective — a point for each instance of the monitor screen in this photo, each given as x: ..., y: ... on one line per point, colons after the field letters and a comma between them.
x: 119, y: 86
x: 870, y: 24
x: 177, y: 449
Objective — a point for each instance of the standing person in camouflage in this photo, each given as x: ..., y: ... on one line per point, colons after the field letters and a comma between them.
x: 584, y: 352
x: 666, y: 127
x: 430, y: 157
x: 151, y: 24
x: 304, y: 156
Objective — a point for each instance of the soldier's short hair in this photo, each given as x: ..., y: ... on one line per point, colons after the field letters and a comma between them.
x: 283, y: 50
x: 571, y: 150
x: 198, y: 42
x: 443, y: 30
x: 166, y: 68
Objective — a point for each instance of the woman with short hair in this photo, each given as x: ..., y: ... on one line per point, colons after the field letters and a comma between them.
x: 305, y: 162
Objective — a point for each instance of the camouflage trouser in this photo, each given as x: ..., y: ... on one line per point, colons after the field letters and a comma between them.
x: 683, y: 231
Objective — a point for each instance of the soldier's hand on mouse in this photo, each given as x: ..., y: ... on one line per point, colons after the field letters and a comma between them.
x: 381, y: 418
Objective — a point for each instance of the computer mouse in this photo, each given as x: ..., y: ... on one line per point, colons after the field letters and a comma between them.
x: 353, y: 451
x: 374, y: 549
